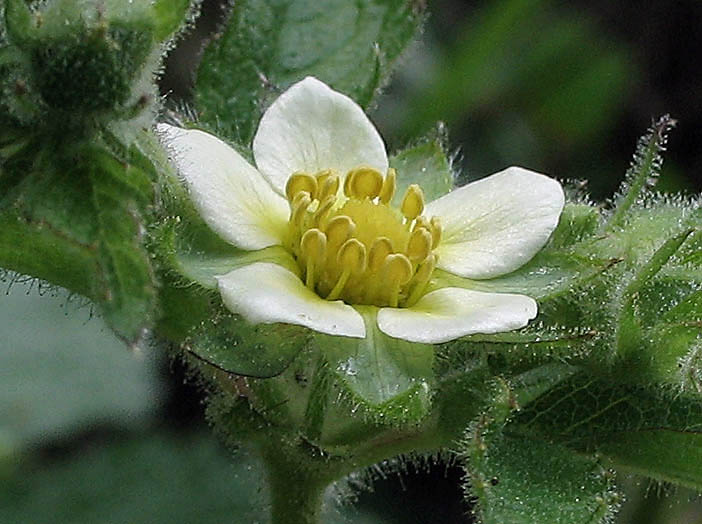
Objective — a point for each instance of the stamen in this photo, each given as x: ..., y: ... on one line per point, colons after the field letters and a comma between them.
x: 419, y: 245
x: 436, y: 231
x: 381, y: 248
x: 352, y: 258
x: 422, y: 221
x: 299, y: 207
x: 421, y: 279
x: 364, y: 182
x: 313, y: 247
x: 325, y: 206
x: 299, y: 182
x: 328, y: 187
x: 389, y: 185
x: 413, y: 202
x: 339, y: 229
x: 397, y: 271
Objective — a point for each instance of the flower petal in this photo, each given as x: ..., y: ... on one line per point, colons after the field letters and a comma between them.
x: 495, y: 225
x: 311, y: 127
x: 267, y: 293
x: 451, y: 312
x: 229, y: 193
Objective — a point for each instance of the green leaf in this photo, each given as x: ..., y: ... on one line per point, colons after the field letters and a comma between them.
x: 389, y: 378
x: 62, y: 372
x: 120, y: 194
x: 155, y: 475
x: 80, y: 217
x: 518, y: 480
x: 270, y: 44
x: 655, y: 433
x: 232, y: 344
x: 523, y: 481
x: 424, y: 164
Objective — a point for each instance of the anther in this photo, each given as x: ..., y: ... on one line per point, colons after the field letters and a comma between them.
x: 322, y: 212
x: 352, y: 254
x: 422, y: 221
x: 328, y: 186
x: 413, y: 202
x: 313, y: 244
x: 421, y: 279
x: 436, y: 229
x: 299, y: 208
x: 299, y: 182
x: 313, y: 247
x: 419, y: 245
x: 398, y: 271
x: 352, y: 258
x: 322, y: 176
x: 338, y: 230
x: 381, y: 248
x: 364, y: 182
x: 389, y: 186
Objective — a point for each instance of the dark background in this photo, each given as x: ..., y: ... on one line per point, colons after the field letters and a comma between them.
x: 565, y: 89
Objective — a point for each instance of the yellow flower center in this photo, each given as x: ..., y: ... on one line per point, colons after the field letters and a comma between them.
x: 352, y: 244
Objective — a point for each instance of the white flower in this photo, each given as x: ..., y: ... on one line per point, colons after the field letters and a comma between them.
x: 322, y: 189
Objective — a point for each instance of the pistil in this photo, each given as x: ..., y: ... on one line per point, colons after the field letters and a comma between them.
x: 353, y: 245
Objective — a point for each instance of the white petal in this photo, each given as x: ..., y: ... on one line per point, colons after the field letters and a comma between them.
x: 495, y: 225
x: 229, y: 193
x: 311, y: 127
x: 452, y: 312
x: 264, y: 293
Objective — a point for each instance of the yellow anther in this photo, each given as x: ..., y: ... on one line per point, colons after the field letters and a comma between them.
x: 352, y: 255
x: 322, y: 212
x: 436, y: 230
x: 413, y: 202
x: 397, y: 271
x: 421, y: 279
x: 347, y: 183
x: 398, y: 268
x: 322, y: 176
x: 299, y: 208
x: 381, y: 248
x: 339, y: 229
x: 313, y: 244
x: 422, y: 221
x: 299, y: 182
x: 419, y: 244
x: 364, y: 182
x: 328, y: 187
x: 352, y: 259
x: 389, y: 186
x: 313, y: 247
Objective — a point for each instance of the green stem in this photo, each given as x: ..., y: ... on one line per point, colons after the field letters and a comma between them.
x: 296, y: 489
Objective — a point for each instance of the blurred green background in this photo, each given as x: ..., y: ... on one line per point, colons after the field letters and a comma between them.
x: 93, y: 432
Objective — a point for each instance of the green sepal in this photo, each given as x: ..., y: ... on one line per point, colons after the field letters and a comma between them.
x: 653, y: 432
x: 170, y: 15
x: 388, y: 378
x: 231, y: 344
x: 630, y: 335
x: 643, y: 172
x: 425, y: 164
x: 518, y: 480
x: 19, y: 22
x: 268, y: 45
x: 578, y: 222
